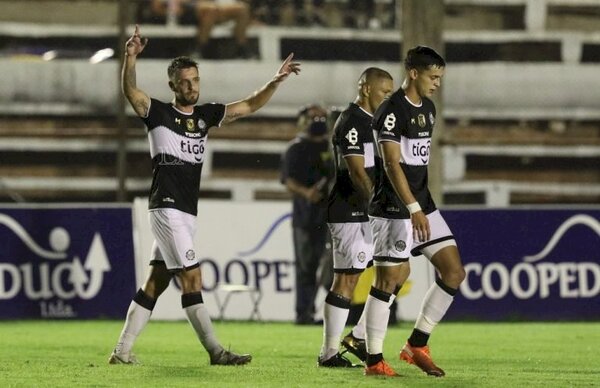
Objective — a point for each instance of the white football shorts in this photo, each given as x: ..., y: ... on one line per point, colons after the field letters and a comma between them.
x: 352, y: 246
x: 173, y: 232
x: 394, y: 243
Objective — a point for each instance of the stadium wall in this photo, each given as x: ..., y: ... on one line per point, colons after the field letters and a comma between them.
x: 70, y: 261
x: 76, y: 87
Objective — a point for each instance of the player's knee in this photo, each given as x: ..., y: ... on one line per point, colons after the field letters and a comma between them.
x: 350, y: 282
x: 387, y: 284
x: 459, y: 275
x: 345, y: 284
x: 191, y: 280
x: 454, y: 277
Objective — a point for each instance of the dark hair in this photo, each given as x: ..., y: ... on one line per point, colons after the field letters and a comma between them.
x: 307, y: 108
x: 423, y: 57
x: 373, y: 72
x: 180, y: 63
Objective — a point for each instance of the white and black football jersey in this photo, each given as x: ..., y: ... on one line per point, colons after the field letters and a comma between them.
x: 177, y: 147
x: 352, y: 135
x: 411, y: 126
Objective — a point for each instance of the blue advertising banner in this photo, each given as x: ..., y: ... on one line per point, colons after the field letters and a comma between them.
x: 533, y: 264
x: 66, y: 262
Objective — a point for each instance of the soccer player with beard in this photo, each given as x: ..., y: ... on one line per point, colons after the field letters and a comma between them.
x: 177, y: 132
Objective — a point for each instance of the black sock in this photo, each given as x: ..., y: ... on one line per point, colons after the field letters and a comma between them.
x: 373, y: 359
x: 418, y: 338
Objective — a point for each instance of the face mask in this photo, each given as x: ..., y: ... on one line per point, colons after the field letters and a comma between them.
x: 318, y: 126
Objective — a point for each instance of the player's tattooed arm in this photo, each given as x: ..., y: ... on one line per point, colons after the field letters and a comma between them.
x: 136, y: 97
x: 260, y: 97
x: 141, y: 107
x: 231, y: 115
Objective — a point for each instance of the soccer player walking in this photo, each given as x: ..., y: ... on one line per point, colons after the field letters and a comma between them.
x: 404, y: 217
x: 177, y: 132
x: 347, y: 215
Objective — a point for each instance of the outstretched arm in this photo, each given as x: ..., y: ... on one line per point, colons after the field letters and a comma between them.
x: 254, y: 102
x: 138, y: 99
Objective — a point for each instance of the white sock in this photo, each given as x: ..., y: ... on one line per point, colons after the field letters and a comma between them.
x: 198, y: 317
x: 137, y: 319
x: 334, y: 321
x: 378, y: 314
x: 359, y: 331
x: 434, y: 307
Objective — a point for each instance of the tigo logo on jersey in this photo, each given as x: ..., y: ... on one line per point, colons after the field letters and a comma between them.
x: 194, y: 147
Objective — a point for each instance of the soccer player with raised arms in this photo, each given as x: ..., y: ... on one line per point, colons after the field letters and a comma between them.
x: 177, y: 132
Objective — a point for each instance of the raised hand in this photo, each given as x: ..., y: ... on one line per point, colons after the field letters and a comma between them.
x: 135, y: 45
x: 287, y: 68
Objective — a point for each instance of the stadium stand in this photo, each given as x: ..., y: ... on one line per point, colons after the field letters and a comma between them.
x: 521, y: 99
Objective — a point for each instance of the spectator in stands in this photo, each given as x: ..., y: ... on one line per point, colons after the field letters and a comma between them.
x: 310, y: 12
x: 206, y: 14
x: 177, y: 132
x: 307, y: 169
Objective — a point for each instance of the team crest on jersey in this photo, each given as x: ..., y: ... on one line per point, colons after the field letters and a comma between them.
x: 400, y: 245
x: 431, y: 118
x: 421, y: 120
x: 190, y: 254
x: 190, y: 125
x: 361, y: 257
x: 201, y: 124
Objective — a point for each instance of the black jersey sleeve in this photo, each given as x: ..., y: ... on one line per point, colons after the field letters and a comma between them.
x: 389, y: 121
x: 154, y: 114
x: 350, y: 137
x: 212, y: 114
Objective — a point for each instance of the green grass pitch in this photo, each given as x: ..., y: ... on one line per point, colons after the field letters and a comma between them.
x: 75, y: 353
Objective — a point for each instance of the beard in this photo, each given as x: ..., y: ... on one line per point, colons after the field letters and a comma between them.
x: 189, y: 99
